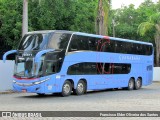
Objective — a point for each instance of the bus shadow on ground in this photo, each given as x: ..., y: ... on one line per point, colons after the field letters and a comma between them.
x: 57, y: 95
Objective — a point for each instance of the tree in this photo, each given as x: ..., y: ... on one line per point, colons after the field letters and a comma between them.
x: 102, y: 17
x: 83, y: 16
x: 126, y: 22
x: 11, y: 20
x: 152, y: 25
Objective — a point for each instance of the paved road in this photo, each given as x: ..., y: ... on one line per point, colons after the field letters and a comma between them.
x: 147, y: 98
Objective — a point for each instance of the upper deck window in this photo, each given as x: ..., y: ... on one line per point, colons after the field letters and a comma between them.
x: 33, y: 42
x: 59, y: 41
x: 79, y: 42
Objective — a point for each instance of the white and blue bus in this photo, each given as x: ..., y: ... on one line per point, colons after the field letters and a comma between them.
x: 57, y: 61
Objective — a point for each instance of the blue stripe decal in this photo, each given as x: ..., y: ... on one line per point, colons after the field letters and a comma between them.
x: 8, y: 53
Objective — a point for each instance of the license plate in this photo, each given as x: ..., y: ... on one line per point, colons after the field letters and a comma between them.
x: 24, y: 91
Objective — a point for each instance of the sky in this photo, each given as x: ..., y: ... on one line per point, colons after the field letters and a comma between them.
x: 118, y: 3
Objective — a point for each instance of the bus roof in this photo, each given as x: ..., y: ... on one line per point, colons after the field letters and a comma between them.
x: 91, y: 35
x: 49, y: 31
x: 112, y: 38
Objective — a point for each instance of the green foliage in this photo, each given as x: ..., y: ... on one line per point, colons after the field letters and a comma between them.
x: 11, y: 19
x: 84, y: 17
x: 76, y: 15
x: 144, y: 27
x: 127, y: 20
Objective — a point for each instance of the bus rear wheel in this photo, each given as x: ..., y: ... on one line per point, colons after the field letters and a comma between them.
x: 138, y: 84
x: 66, y: 89
x: 81, y: 88
x: 131, y: 84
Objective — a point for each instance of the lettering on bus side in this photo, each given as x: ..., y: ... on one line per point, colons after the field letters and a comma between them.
x: 126, y: 57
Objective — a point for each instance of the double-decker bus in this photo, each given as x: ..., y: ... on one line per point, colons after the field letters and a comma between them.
x: 57, y: 61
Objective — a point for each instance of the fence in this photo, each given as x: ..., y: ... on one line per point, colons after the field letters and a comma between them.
x: 6, y: 73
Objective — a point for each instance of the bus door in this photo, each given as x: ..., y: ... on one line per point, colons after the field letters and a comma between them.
x: 51, y: 67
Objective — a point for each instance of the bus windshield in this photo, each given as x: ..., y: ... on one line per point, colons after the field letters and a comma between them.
x: 41, y: 41
x: 26, y: 68
x: 33, y: 42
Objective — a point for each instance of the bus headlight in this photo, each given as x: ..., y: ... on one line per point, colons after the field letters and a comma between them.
x: 39, y: 82
x: 30, y: 84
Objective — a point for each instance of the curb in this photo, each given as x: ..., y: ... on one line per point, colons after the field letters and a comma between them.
x: 8, y: 92
x: 156, y: 81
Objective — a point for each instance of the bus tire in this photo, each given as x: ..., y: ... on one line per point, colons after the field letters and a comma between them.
x: 66, y: 88
x: 81, y: 88
x: 138, y: 84
x: 131, y: 84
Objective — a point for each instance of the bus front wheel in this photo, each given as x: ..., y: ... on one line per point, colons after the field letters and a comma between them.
x: 66, y: 89
x: 81, y: 88
x: 131, y: 84
x: 138, y: 84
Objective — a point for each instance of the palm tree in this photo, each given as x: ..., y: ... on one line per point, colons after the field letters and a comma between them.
x: 154, y: 25
x: 102, y: 17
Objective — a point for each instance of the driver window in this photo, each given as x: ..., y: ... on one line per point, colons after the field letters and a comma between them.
x: 50, y: 67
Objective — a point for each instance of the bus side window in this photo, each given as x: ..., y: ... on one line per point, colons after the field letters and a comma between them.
x: 76, y: 69
x: 50, y: 67
x: 120, y: 68
x: 89, y: 68
x: 82, y: 42
x: 139, y: 49
x: 99, y: 67
x: 148, y: 50
x: 133, y: 48
x: 120, y: 48
x: 92, y: 43
x: 128, y: 48
x: 63, y: 41
x: 73, y: 44
x: 107, y: 68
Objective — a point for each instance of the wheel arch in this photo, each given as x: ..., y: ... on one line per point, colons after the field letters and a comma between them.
x: 132, y: 78
x: 72, y: 82
x: 139, y: 77
x: 85, y: 81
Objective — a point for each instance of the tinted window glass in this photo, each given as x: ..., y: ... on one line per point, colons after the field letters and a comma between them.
x: 89, y: 68
x: 54, y: 62
x: 120, y: 47
x: 103, y: 45
x: 118, y: 68
x: 59, y: 41
x: 99, y: 68
x: 92, y: 42
x: 149, y: 49
x: 79, y: 43
x: 33, y: 42
x: 128, y: 48
x: 76, y: 69
x: 140, y: 49
x: 107, y: 68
